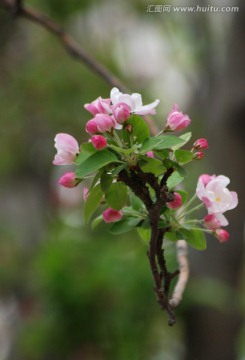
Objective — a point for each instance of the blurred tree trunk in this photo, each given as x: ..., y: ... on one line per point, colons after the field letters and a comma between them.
x: 211, y: 333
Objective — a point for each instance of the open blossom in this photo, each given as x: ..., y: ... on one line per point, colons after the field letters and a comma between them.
x: 176, y: 203
x: 216, y: 197
x: 99, y: 142
x: 111, y: 215
x: 67, y: 149
x: 176, y: 120
x: 68, y: 180
x: 121, y: 112
x: 99, y: 106
x: 222, y: 235
x: 134, y: 102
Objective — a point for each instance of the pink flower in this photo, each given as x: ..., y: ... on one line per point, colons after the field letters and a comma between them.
x: 134, y: 102
x: 176, y: 120
x: 205, y: 178
x: 222, y: 235
x: 216, y: 197
x: 99, y: 106
x: 111, y: 215
x: 67, y: 148
x: 68, y: 180
x: 106, y: 123
x: 99, y: 142
x: 150, y: 154
x: 200, y: 144
x: 211, y: 222
x: 198, y: 155
x: 85, y: 193
x: 91, y: 127
x: 121, y: 112
x: 176, y: 203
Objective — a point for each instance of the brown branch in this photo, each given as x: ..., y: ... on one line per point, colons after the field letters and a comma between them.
x: 71, y: 46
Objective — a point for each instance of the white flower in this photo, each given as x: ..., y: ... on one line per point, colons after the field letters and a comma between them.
x: 134, y: 101
x: 217, y: 198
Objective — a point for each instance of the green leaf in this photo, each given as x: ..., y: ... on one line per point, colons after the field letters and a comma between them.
x: 174, y: 180
x: 118, y: 168
x: 145, y: 234
x: 92, y: 202
x: 86, y: 150
x: 154, y: 166
x: 95, y: 162
x: 96, y: 221
x: 135, y: 202
x: 124, y: 225
x: 116, y: 196
x: 162, y: 154
x: 105, y: 182
x: 171, y: 236
x: 185, y: 137
x: 195, y: 238
x: 160, y: 143
x: 140, y: 129
x: 183, y: 156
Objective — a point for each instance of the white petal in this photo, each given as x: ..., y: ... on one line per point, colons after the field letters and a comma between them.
x: 234, y: 200
x: 137, y: 98
x: 114, y: 95
x: 222, y: 219
x: 147, y: 109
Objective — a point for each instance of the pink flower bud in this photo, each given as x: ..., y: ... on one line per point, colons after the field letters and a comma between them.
x: 99, y: 106
x: 85, y: 193
x: 99, y: 142
x: 222, y: 235
x: 200, y: 144
x: 198, y: 155
x: 105, y: 122
x: 176, y: 203
x: 211, y: 222
x: 176, y: 120
x: 91, y: 127
x: 150, y: 154
x: 121, y: 112
x: 68, y: 180
x: 67, y: 148
x: 111, y: 215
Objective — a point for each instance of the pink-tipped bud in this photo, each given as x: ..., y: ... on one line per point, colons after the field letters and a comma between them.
x: 111, y: 215
x: 121, y: 112
x: 211, y: 222
x: 68, y: 180
x: 176, y: 120
x: 91, y: 127
x: 150, y: 154
x: 105, y: 123
x: 198, y: 155
x: 99, y: 142
x: 85, y: 193
x: 222, y: 235
x: 176, y: 203
x: 99, y: 106
x: 200, y: 144
x: 67, y: 149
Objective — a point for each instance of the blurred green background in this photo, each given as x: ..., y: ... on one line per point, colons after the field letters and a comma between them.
x: 67, y: 292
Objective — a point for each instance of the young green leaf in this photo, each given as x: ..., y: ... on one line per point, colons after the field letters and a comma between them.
x: 145, y: 234
x: 185, y: 137
x: 174, y: 180
x: 116, y: 196
x: 105, y: 182
x: 96, y: 221
x: 124, y: 225
x: 160, y: 143
x: 183, y: 156
x: 92, y: 202
x: 87, y: 149
x: 140, y: 130
x: 195, y: 238
x: 95, y: 162
x: 154, y: 166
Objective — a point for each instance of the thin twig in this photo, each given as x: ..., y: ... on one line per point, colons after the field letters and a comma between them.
x: 182, y: 257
